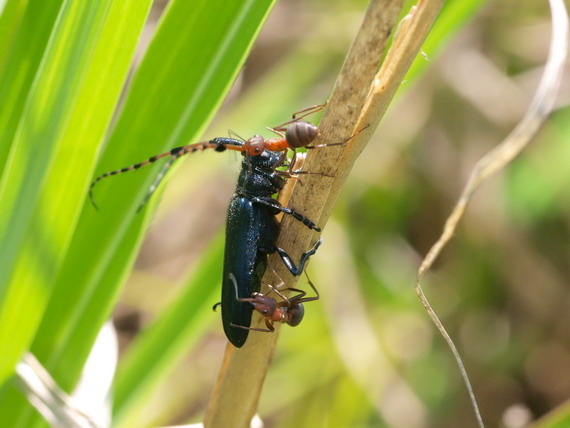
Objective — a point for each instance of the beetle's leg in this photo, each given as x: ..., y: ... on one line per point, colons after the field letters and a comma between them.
x: 304, y: 258
x: 272, y: 203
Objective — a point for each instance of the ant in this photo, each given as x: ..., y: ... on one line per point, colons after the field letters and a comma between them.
x: 289, y: 311
x: 293, y: 134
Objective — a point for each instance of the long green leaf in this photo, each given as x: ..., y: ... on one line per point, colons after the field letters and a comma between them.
x: 66, y: 116
x: 162, y: 345
x: 558, y: 418
x: 189, y: 66
x: 24, y: 32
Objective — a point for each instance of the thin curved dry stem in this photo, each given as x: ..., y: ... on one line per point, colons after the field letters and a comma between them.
x: 359, y: 99
x: 41, y: 390
x: 501, y: 156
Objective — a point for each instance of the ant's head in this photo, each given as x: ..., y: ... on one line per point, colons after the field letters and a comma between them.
x: 266, y: 306
x: 254, y: 146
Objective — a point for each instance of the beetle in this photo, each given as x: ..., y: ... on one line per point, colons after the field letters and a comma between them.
x: 251, y: 234
x: 251, y: 227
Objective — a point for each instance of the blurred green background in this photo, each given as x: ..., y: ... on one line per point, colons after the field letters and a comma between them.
x: 366, y: 354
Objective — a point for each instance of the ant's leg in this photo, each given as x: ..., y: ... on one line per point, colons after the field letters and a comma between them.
x: 309, y: 110
x: 309, y: 299
x: 298, y: 115
x: 294, y: 173
x: 249, y: 171
x: 297, y: 298
x: 270, y: 286
x: 269, y: 329
x: 338, y: 144
x: 278, y: 132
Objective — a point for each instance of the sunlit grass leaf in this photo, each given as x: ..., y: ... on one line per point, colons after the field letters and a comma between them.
x: 158, y: 349
x: 191, y: 63
x: 24, y: 33
x: 43, y: 186
x: 187, y: 69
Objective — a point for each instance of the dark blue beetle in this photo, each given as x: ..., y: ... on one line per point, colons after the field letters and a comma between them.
x: 251, y: 233
x: 252, y: 229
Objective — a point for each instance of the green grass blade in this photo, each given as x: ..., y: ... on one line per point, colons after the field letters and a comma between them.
x: 24, y: 33
x: 43, y: 187
x: 198, y: 49
x: 558, y: 418
x: 161, y: 346
x: 453, y: 18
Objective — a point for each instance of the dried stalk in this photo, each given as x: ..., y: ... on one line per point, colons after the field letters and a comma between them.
x: 499, y: 158
x: 359, y: 100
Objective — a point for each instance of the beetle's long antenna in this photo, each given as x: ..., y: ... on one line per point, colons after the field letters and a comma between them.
x: 218, y: 144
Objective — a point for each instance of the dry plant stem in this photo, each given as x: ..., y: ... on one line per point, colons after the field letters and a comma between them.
x: 241, y: 376
x: 502, y: 155
x: 47, y: 397
x: 521, y: 135
x: 359, y: 99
